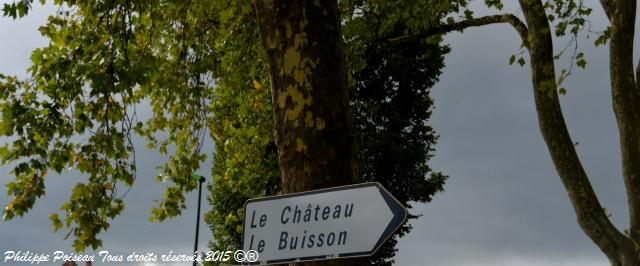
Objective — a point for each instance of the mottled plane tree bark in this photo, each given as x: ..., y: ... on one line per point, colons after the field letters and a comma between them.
x: 313, y: 127
x: 312, y: 118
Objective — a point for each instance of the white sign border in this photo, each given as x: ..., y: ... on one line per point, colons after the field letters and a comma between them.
x: 386, y: 195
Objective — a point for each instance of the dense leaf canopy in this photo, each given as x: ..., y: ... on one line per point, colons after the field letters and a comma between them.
x: 200, y: 69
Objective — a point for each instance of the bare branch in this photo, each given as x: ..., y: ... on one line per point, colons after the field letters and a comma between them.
x: 520, y: 27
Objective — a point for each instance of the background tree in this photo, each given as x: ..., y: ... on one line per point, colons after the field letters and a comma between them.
x: 313, y: 126
x: 200, y: 66
x: 78, y: 107
x: 569, y: 18
x: 391, y: 102
x: 245, y: 158
x: 404, y: 141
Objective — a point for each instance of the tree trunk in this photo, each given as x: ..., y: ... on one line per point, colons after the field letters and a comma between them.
x: 591, y: 216
x: 313, y: 127
x: 536, y: 36
x: 626, y: 102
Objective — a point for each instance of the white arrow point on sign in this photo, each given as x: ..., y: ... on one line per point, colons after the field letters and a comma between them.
x: 369, y: 228
x: 269, y: 222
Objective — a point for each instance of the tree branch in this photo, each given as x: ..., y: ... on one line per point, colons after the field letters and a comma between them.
x: 608, y: 6
x: 626, y: 99
x: 591, y: 216
x: 638, y: 77
x: 517, y: 24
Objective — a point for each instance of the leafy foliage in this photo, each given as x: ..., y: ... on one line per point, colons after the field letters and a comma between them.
x: 78, y: 108
x: 240, y: 156
x: 391, y: 108
x: 17, y: 9
x: 571, y: 18
x: 200, y: 66
x: 245, y: 159
x: 391, y: 102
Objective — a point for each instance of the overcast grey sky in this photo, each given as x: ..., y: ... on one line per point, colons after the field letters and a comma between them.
x: 503, y: 204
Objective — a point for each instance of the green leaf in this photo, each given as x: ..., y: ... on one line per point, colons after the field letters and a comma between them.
x: 55, y: 220
x: 468, y: 14
x: 4, y: 153
x: 551, y: 17
x: 197, y: 177
x: 450, y: 20
x: 581, y: 63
